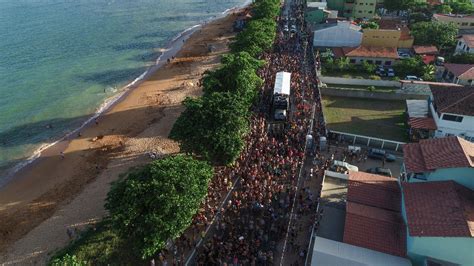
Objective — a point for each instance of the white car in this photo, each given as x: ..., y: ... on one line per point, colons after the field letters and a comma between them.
x: 293, y: 28
x: 285, y: 28
x: 413, y: 78
x: 340, y: 165
x: 403, y: 55
x: 390, y: 72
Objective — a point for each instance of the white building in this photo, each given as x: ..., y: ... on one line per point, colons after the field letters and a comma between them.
x: 340, y: 34
x: 453, y: 111
x: 465, y: 44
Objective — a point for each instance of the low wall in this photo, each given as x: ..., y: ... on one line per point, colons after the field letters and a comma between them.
x: 379, y: 95
x: 362, y: 82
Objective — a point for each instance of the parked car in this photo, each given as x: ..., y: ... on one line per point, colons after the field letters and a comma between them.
x: 403, y: 55
x: 293, y: 28
x: 413, y: 78
x: 285, y: 28
x: 381, y: 155
x: 390, y: 72
x: 343, y: 167
x: 380, y: 171
x: 381, y: 72
x: 439, y: 61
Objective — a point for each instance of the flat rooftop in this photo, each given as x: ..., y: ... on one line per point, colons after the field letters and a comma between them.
x: 333, y: 203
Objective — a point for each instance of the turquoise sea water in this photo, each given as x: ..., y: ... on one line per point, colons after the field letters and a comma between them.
x: 59, y: 60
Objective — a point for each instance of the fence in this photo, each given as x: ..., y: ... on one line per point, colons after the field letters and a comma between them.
x: 379, y: 95
x: 366, y: 141
x: 363, y: 82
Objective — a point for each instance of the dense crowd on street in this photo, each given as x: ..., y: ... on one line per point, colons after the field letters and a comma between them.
x: 253, y: 221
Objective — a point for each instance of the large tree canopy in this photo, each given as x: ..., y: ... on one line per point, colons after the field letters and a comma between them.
x: 257, y: 37
x: 213, y: 126
x: 156, y: 203
x: 441, y: 34
x: 237, y: 74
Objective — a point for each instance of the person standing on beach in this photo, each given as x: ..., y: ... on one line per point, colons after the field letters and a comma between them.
x: 62, y: 155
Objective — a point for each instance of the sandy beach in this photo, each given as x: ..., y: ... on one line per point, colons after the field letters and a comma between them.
x: 56, y: 192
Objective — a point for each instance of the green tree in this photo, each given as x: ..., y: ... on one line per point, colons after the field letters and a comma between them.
x: 369, y: 68
x: 464, y: 58
x: 68, y: 260
x: 443, y: 9
x: 428, y: 72
x: 441, y: 34
x: 461, y: 6
x: 395, y: 5
x: 213, y: 127
x: 342, y: 63
x: 370, y: 25
x: 237, y: 74
x: 409, y: 66
x: 156, y: 203
x: 266, y: 8
x: 256, y: 38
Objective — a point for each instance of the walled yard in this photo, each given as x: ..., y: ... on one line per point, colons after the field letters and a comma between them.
x: 376, y: 118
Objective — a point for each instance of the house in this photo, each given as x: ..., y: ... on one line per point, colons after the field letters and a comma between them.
x: 354, y: 8
x: 385, y: 56
x: 422, y: 125
x: 364, y: 9
x: 464, y: 22
x: 339, y: 34
x: 427, y: 52
x: 465, y: 44
x: 386, y: 38
x: 453, y: 111
x: 440, y: 222
x: 422, y: 87
x: 360, y: 221
x: 458, y: 73
x: 439, y: 159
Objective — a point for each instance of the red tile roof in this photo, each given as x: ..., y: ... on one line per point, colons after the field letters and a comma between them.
x: 374, y: 190
x: 422, y: 123
x: 431, y: 154
x: 425, y: 49
x: 439, y: 209
x: 372, y: 52
x: 454, y: 100
x: 468, y: 39
x: 462, y: 71
x: 375, y: 229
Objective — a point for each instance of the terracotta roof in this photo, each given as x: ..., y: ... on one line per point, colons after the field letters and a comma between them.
x: 462, y: 71
x: 439, y: 209
x: 468, y: 39
x: 390, y: 24
x: 372, y: 52
x: 337, y: 51
x: 436, y: 16
x: 454, y: 100
x: 374, y: 190
x: 375, y: 229
x: 422, y: 123
x: 431, y: 154
x: 425, y: 49
x: 431, y: 83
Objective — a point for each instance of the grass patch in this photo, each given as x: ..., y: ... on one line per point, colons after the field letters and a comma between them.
x: 100, y: 246
x: 361, y: 87
x: 375, y: 118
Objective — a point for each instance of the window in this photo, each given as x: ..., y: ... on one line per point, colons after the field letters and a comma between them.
x: 360, y: 11
x: 370, y: 61
x: 370, y: 12
x: 472, y: 24
x: 459, y: 43
x: 453, y: 118
x: 388, y: 63
x: 352, y: 61
x: 378, y: 62
x: 464, y: 24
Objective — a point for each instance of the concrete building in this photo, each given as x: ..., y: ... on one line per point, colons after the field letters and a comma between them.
x: 439, y: 159
x: 386, y: 38
x: 465, y: 44
x: 452, y: 109
x: 462, y: 74
x: 464, y: 22
x: 339, y: 34
x: 385, y: 56
x: 364, y: 9
x: 439, y: 218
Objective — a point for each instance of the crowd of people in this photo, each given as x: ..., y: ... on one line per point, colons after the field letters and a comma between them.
x: 251, y: 223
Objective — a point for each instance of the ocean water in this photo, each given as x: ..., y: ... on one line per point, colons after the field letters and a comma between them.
x: 60, y: 60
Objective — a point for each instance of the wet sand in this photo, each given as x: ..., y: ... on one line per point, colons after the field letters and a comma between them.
x: 56, y: 192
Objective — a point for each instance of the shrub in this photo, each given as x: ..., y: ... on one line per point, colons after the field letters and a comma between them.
x: 374, y: 77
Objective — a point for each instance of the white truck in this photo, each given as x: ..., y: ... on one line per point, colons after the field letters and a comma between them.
x: 281, y: 96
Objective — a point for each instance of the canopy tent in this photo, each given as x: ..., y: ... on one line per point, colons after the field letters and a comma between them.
x: 282, y: 83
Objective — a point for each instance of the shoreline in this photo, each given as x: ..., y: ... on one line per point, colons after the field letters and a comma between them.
x: 171, y: 49
x: 132, y: 126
